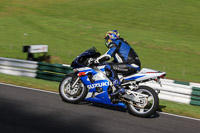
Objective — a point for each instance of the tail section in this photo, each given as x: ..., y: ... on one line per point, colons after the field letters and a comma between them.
x: 145, y: 74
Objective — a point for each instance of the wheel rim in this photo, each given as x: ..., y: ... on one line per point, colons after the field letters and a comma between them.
x: 142, y: 107
x: 71, y: 93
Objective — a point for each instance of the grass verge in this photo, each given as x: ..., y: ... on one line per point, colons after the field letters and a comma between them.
x: 165, y: 34
x: 165, y: 106
x: 30, y: 82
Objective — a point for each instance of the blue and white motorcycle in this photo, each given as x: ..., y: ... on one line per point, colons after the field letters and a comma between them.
x: 90, y: 83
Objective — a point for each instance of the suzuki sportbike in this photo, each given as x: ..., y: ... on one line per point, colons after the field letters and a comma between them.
x: 89, y: 82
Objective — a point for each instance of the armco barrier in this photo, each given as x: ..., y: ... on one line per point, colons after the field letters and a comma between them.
x: 183, y: 92
x: 172, y: 90
x: 18, y: 67
x: 49, y: 76
x: 59, y: 68
x: 53, y: 72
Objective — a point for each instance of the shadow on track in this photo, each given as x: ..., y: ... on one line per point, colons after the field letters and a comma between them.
x: 17, y: 118
x: 115, y: 108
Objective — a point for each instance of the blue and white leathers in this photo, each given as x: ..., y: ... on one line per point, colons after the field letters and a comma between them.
x: 123, y: 52
x: 125, y: 62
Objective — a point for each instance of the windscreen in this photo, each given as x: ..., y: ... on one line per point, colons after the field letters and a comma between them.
x: 82, y: 59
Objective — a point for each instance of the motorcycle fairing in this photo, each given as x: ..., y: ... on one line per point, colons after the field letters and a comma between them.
x: 104, y: 83
x: 100, y: 81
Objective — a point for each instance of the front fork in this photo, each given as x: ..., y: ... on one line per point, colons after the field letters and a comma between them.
x: 76, y: 81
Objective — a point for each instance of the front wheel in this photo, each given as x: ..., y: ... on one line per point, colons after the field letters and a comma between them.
x: 146, y: 106
x: 70, y: 92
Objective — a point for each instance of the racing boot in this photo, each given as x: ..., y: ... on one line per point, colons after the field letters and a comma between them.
x: 120, y: 90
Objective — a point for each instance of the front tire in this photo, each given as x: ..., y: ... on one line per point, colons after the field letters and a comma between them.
x: 69, y: 94
x: 145, y: 109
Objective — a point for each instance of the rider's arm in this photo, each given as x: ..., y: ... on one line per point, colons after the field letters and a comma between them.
x: 107, y: 55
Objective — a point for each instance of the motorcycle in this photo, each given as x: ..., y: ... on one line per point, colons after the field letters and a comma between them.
x: 89, y: 82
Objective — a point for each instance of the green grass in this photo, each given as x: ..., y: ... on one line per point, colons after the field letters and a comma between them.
x: 165, y: 34
x: 165, y: 106
x: 30, y: 82
x: 179, y: 109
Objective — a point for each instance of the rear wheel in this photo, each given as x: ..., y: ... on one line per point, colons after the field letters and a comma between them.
x: 74, y: 94
x: 146, y: 106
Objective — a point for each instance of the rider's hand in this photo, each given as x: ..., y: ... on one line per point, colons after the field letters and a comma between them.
x: 91, y: 61
x: 96, y: 62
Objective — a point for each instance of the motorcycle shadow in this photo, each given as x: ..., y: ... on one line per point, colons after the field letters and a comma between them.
x: 110, y: 107
x: 105, y: 106
x: 115, y: 108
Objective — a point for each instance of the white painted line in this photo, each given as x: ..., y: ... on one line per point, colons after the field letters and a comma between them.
x: 180, y: 116
x: 58, y: 93
x: 29, y: 88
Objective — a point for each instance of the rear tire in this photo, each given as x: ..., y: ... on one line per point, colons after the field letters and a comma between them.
x: 69, y: 94
x: 151, y: 106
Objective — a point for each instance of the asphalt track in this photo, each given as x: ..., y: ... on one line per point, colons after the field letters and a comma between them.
x: 29, y: 111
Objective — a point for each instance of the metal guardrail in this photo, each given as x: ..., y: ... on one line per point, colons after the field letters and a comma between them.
x: 182, y: 92
x: 53, y: 72
x: 172, y: 90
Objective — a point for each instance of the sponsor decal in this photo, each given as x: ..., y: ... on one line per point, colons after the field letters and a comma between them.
x: 38, y: 48
x: 98, y: 85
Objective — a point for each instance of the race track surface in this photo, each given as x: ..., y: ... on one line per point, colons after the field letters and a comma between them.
x: 29, y: 111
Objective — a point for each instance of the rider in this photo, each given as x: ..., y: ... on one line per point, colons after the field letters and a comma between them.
x: 125, y: 61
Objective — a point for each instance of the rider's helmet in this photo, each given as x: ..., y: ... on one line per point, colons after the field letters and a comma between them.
x: 111, y: 36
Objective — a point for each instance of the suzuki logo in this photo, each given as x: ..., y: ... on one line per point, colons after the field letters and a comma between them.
x: 98, y: 85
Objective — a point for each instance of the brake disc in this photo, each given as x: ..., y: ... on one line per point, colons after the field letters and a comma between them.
x: 72, y: 91
x: 142, y: 102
